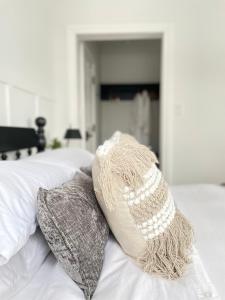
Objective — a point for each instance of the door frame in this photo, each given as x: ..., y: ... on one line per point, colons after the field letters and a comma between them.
x: 90, y: 77
x: 78, y: 34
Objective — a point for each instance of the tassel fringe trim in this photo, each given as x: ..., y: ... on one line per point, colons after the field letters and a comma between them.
x: 168, y: 254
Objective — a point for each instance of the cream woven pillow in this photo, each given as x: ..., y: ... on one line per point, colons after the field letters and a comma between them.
x: 139, y: 207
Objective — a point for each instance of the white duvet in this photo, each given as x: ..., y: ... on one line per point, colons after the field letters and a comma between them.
x: 121, y: 279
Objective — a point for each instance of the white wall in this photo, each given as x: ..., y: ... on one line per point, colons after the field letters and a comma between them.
x: 199, y: 72
x: 26, y: 63
x: 129, y: 62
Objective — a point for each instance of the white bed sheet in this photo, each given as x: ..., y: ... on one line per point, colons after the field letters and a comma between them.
x: 121, y: 279
x: 204, y: 206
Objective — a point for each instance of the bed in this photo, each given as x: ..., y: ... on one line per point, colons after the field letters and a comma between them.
x: 41, y: 277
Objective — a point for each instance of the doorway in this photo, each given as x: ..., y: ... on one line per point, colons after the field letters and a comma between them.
x: 77, y: 41
x: 122, y: 83
x: 129, y: 81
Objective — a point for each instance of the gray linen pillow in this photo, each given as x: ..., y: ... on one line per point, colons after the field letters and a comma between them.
x: 75, y: 229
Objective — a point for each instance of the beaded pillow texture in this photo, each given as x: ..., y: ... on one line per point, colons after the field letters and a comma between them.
x: 139, y: 207
x: 75, y: 229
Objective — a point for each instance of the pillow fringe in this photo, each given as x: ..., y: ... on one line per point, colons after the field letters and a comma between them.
x: 168, y: 254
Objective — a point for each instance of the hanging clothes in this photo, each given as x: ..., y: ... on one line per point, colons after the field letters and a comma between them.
x: 140, y: 127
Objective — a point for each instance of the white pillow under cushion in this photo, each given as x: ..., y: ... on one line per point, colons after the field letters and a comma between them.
x: 19, y: 184
x: 23, y: 266
x: 70, y: 157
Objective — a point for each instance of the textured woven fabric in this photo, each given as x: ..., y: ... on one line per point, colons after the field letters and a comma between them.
x: 139, y: 207
x: 75, y: 229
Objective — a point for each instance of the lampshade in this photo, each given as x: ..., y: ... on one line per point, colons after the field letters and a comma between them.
x: 72, y: 134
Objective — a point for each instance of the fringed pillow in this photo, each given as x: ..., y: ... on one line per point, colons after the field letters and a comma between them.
x: 139, y: 207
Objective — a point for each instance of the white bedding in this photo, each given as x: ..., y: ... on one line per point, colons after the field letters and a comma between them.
x: 120, y: 279
x: 204, y: 205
